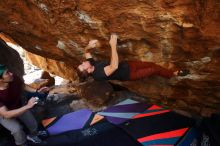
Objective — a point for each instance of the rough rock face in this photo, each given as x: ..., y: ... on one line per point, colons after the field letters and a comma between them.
x: 175, y: 33
x: 11, y: 59
x: 95, y: 98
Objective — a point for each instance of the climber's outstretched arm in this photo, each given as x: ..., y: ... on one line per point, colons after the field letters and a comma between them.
x: 92, y: 44
x: 110, y: 69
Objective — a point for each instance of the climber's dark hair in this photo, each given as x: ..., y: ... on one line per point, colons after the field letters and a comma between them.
x: 83, y: 75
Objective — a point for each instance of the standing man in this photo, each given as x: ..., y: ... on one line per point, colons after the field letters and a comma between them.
x: 123, y: 71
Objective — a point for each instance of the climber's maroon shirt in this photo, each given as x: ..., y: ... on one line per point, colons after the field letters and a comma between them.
x: 11, y: 97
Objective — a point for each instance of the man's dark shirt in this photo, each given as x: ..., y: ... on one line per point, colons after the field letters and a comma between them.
x: 11, y: 97
x: 122, y: 73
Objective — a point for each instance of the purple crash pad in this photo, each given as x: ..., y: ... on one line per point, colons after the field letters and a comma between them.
x: 72, y: 121
x: 123, y: 111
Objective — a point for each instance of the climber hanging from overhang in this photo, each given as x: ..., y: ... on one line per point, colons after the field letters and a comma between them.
x: 123, y: 71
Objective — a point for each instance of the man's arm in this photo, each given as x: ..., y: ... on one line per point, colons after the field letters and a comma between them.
x: 29, y: 88
x: 4, y: 112
x: 110, y: 69
x: 92, y: 44
x: 40, y: 90
x: 87, y: 53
